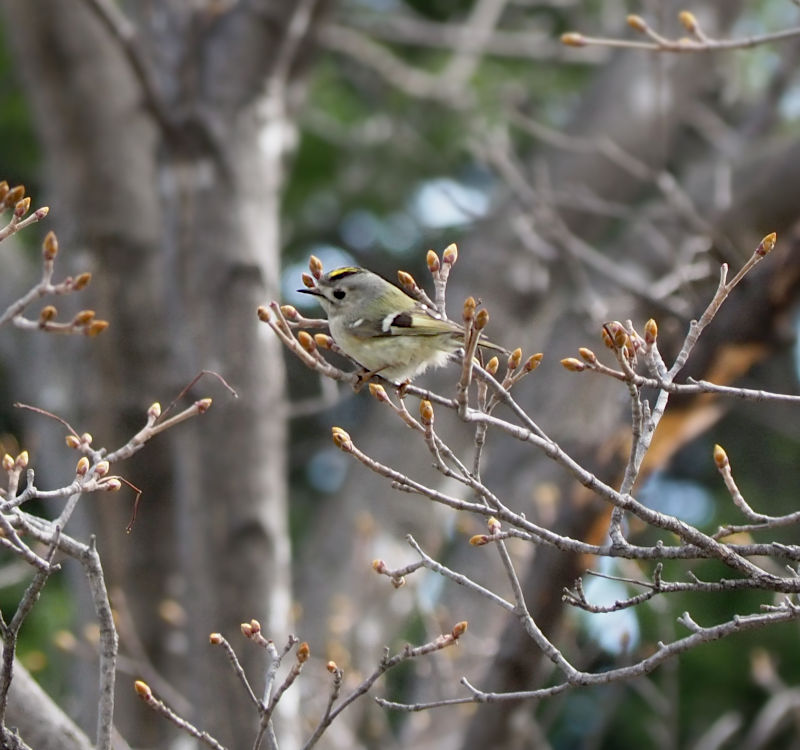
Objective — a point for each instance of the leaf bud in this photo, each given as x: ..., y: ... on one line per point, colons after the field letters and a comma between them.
x: 766, y: 245
x: 573, y: 39
x: 289, y: 312
x: 637, y: 23
x: 82, y: 280
x: 514, y: 359
x: 303, y: 652
x: 650, y: 332
x: 407, y: 281
x: 481, y: 319
x: 587, y: 355
x: 47, y: 314
x: 50, y: 246
x: 469, y: 309
x: 432, y: 259
x: 143, y: 689
x: 315, y: 266
x: 459, y: 629
x: 688, y: 20
x: 307, y: 341
x: 533, y: 362
x: 82, y: 466
x: 572, y: 364
x: 263, y: 314
x: 308, y: 280
x: 323, y: 341
x: 341, y: 439
x: 493, y: 365
x: 450, y: 254
x: 720, y: 457
x: 426, y: 412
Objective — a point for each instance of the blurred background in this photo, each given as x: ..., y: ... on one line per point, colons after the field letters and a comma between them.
x: 194, y: 154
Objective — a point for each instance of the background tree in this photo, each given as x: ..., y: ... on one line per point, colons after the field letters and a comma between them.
x: 581, y: 186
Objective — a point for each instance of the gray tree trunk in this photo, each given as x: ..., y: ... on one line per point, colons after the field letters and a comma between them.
x: 170, y: 180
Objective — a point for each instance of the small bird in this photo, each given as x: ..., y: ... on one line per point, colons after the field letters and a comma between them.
x: 382, y: 328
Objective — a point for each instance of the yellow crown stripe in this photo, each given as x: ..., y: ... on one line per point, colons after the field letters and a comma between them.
x: 346, y: 271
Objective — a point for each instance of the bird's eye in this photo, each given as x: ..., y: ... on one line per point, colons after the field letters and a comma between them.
x: 339, y: 293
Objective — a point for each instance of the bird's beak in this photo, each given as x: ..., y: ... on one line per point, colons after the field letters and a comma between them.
x: 315, y: 291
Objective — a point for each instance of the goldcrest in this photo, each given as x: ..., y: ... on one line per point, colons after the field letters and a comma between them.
x: 384, y: 329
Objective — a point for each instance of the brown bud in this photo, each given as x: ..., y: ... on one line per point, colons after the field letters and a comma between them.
x: 573, y: 39
x: 481, y: 319
x: 263, y: 314
x: 255, y: 626
x: 469, y: 309
x: 514, y: 359
x: 81, y: 281
x: 377, y: 391
x: 720, y: 457
x: 72, y: 442
x: 247, y: 629
x: 493, y: 524
x: 102, y: 468
x: 154, y: 412
x: 21, y: 461
x: 142, y: 689
x: 8, y: 462
x: 112, y: 484
x: 637, y: 23
x: 478, y: 540
x: 450, y: 254
x: 50, y: 246
x: 96, y: 327
x: 308, y: 280
x: 459, y: 629
x: 650, y: 332
x: 290, y: 312
x: 398, y: 583
x: 331, y: 666
x: 47, y: 314
x: 3, y: 190
x: 688, y: 20
x: 426, y: 412
x: 303, y: 652
x: 588, y: 355
x: 83, y: 317
x: 14, y: 196
x: 323, y: 341
x: 573, y: 365
x: 766, y: 245
x: 341, y: 438
x: 22, y: 207
x: 378, y: 565
x: 406, y: 281
x: 315, y: 266
x: 607, y: 340
x: 493, y: 365
x: 307, y: 341
x: 82, y: 466
x: 41, y: 212
x: 533, y: 362
x: 215, y: 639
x: 432, y: 259
x: 203, y: 405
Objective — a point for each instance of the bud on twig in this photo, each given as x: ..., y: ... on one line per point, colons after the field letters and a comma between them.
x: 307, y: 341
x: 573, y: 365
x: 83, y: 317
x: 22, y: 207
x: 450, y: 254
x: 96, y: 327
x: 308, y: 280
x: 407, y: 281
x: 81, y: 281
x: 47, y: 314
x: 289, y: 312
x: 50, y: 246
x: 303, y: 652
x: 479, y: 540
x: 493, y: 365
x: 14, y: 196
x: 432, y: 259
x: 459, y: 629
x: 21, y: 461
x: 688, y: 21
x: 573, y: 39
x: 426, y: 412
x: 514, y: 359
x: 72, y: 442
x: 533, y: 362
x: 469, y: 309
x: 263, y: 314
x: 215, y: 639
x: 8, y: 462
x: 481, y: 319
x: 587, y: 355
x: 720, y: 457
x: 315, y: 266
x: 82, y: 466
x: 650, y: 332
x: 637, y: 23
x: 142, y: 689
x: 378, y: 565
x: 341, y: 439
x: 766, y: 245
x: 378, y: 392
x: 323, y: 341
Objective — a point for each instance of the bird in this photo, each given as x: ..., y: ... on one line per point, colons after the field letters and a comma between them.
x: 382, y: 328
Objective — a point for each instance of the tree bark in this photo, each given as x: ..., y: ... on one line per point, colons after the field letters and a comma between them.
x: 164, y: 158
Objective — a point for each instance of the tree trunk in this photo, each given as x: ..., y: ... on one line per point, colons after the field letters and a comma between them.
x: 164, y: 159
